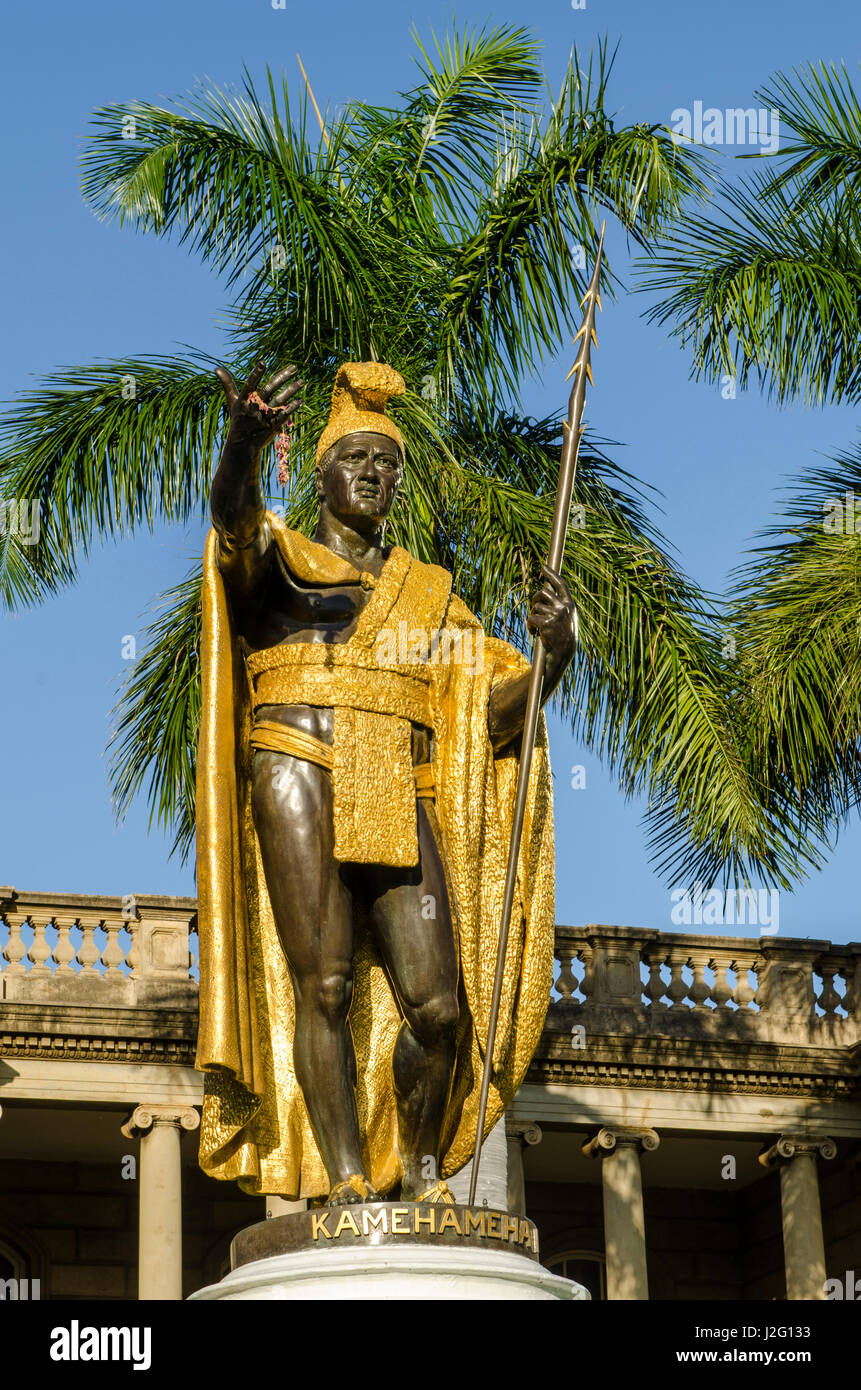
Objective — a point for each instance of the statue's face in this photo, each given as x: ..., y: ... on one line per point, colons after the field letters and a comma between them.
x: 358, y: 478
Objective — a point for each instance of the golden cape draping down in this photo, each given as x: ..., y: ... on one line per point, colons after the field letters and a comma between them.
x: 255, y: 1127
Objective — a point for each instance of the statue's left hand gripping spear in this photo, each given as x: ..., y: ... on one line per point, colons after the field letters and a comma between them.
x: 572, y: 432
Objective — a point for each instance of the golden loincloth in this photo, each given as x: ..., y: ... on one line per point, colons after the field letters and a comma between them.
x: 274, y: 737
x: 373, y: 709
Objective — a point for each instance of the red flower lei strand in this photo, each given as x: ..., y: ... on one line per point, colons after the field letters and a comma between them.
x: 282, y: 441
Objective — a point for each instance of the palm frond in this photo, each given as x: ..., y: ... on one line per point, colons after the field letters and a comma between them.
x: 440, y: 142
x: 33, y: 562
x: 770, y: 286
x: 769, y: 291
x: 515, y: 278
x: 239, y: 182
x: 113, y: 446
x: 820, y: 107
x: 797, y: 617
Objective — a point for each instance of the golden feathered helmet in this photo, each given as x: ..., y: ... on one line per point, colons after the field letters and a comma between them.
x: 359, y: 399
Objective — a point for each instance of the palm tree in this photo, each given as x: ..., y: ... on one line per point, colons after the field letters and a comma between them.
x: 450, y: 233
x: 771, y: 288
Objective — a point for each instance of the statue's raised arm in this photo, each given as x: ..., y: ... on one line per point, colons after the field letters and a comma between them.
x: 257, y: 412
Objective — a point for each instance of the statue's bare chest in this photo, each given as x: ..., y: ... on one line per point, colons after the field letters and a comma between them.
x: 289, y: 611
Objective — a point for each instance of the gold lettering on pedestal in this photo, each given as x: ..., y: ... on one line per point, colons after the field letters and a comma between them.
x: 422, y: 1220
x: 397, y: 1214
x: 347, y: 1219
x: 449, y: 1219
x: 380, y: 1222
x: 318, y: 1224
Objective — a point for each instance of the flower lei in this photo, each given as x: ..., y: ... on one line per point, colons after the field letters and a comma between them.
x: 282, y: 441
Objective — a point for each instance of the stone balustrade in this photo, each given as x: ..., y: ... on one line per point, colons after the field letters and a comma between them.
x: 626, y: 980
x: 142, y: 950
x: 75, y: 948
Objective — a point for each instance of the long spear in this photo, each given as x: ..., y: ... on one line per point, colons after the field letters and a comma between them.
x: 573, y: 432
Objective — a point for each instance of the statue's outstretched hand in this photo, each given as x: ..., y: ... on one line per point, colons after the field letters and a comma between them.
x: 553, y: 617
x: 260, y: 409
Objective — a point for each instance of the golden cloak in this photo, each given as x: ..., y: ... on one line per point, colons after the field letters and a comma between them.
x: 255, y: 1126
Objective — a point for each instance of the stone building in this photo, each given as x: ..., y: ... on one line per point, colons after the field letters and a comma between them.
x: 690, y: 1127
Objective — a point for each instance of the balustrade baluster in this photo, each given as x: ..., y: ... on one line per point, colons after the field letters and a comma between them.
x: 829, y: 1000
x: 677, y: 989
x: 587, y: 984
x: 654, y: 988
x: 89, y: 953
x: 113, y: 955
x: 566, y: 982
x: 743, y: 994
x: 699, y: 991
x: 40, y: 950
x: 852, y: 976
x: 64, y: 951
x: 722, y: 991
x: 133, y: 957
x: 16, y: 948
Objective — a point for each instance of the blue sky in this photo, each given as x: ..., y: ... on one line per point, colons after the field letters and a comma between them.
x: 76, y: 290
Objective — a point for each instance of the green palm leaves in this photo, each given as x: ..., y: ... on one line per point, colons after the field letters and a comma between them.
x: 772, y: 285
x: 771, y: 289
x: 797, y: 612
x: 451, y: 234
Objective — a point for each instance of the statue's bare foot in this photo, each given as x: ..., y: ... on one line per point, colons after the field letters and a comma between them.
x: 438, y: 1192
x: 351, y: 1191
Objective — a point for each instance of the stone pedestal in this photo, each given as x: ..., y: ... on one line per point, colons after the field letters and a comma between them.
x: 390, y: 1250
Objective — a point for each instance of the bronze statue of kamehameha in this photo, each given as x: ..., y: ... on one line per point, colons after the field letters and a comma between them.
x: 354, y: 811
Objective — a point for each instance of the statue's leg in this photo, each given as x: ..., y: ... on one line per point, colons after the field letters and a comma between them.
x: 411, y: 916
x: 313, y: 910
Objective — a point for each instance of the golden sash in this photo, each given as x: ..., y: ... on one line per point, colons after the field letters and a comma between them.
x: 273, y: 737
x: 375, y: 704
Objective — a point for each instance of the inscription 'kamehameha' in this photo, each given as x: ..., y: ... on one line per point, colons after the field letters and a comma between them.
x: 330, y: 1224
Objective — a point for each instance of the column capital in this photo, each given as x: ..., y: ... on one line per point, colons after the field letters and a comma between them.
x: 606, y: 1140
x: 146, y: 1117
x: 790, y: 1146
x: 525, y: 1130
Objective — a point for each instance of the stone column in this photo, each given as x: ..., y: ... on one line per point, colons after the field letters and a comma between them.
x: 624, y: 1220
x: 282, y: 1206
x: 492, y: 1187
x: 801, y: 1213
x: 159, y: 1128
x: 518, y: 1135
